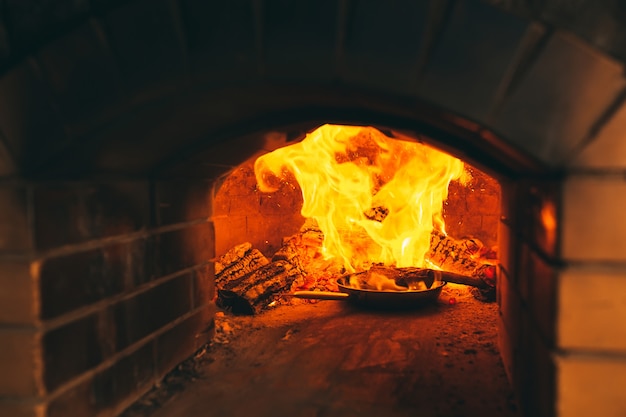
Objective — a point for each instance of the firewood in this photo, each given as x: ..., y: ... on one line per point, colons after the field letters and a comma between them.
x: 464, y: 257
x: 232, y: 256
x: 457, y: 256
x: 251, y: 293
x: 378, y: 213
x: 238, y: 262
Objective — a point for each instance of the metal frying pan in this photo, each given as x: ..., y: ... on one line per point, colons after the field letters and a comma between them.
x: 374, y: 298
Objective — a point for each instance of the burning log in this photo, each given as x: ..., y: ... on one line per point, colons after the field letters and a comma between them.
x: 238, y: 262
x: 377, y: 213
x: 469, y: 259
x: 302, y: 250
x: 252, y: 292
x: 246, y: 279
x: 463, y: 257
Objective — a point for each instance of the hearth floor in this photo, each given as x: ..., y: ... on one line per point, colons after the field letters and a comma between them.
x: 332, y: 359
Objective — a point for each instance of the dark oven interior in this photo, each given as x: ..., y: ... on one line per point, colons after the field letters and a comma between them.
x: 120, y: 122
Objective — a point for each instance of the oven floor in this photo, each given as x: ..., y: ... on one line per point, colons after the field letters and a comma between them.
x: 332, y: 359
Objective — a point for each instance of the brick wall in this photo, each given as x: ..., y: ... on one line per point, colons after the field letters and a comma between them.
x: 526, y: 289
x: 105, y: 287
x: 244, y: 214
x: 172, y: 75
x: 591, y: 335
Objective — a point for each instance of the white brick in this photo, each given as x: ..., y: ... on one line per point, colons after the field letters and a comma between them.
x: 590, y: 386
x: 592, y: 309
x: 594, y: 224
x: 608, y: 149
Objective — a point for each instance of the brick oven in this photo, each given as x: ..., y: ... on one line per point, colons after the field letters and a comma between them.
x: 117, y: 118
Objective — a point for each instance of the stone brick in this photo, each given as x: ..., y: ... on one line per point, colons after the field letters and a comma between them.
x: 144, y: 38
x: 590, y: 385
x: 127, y: 377
x: 565, y: 91
x: 220, y: 36
x: 20, y: 361
x: 234, y: 202
x: 75, y: 402
x: 229, y: 231
x: 31, y: 22
x: 18, y: 294
x: 490, y: 226
x: 524, y: 266
x: 103, y: 392
x: 380, y: 34
x: 510, y: 309
x: 608, y: 149
x: 28, y: 120
x: 70, y: 63
x: 593, y: 21
x: 195, y: 169
x: 133, y: 262
x: 537, y: 382
x: 180, y: 342
x: 471, y: 58
x: 74, y: 348
x: 5, y: 50
x: 538, y: 214
x: 469, y: 205
x: 507, y: 350
x: 507, y: 250
x: 67, y: 213
x: 285, y: 201
x: 237, y: 194
x: 8, y: 165
x: 300, y: 39
x: 186, y: 247
x: 509, y: 191
x: 267, y: 233
x: 204, y: 285
x: 593, y: 218
x: 542, y: 280
x: 15, y: 230
x: 21, y: 409
x: 233, y: 151
x: 146, y: 312
x: 183, y: 200
x: 77, y: 280
x: 464, y: 225
x: 591, y: 302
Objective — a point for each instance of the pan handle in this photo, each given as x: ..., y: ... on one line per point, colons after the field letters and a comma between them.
x: 320, y: 295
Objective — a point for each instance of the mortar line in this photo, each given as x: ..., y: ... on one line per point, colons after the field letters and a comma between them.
x: 54, y: 323
x: 99, y: 243
x: 122, y: 354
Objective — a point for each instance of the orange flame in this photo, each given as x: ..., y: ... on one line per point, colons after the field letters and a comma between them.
x: 376, y: 199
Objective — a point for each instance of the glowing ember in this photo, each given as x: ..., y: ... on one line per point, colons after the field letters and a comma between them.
x: 376, y: 199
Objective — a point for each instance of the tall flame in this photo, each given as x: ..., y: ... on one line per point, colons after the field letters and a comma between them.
x: 375, y: 199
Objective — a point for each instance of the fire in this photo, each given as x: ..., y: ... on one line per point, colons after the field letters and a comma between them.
x: 376, y: 199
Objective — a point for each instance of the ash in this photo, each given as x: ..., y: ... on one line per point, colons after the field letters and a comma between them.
x: 332, y: 359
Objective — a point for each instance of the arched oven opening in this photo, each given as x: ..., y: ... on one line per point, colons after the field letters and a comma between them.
x: 406, y: 216
x: 345, y: 199
x: 257, y: 264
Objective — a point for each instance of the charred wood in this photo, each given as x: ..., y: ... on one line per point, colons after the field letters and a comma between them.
x: 238, y: 262
x: 464, y: 257
x: 378, y: 213
x: 251, y: 293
